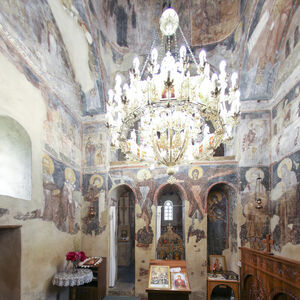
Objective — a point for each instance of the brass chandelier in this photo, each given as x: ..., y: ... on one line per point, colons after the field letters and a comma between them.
x: 170, y: 115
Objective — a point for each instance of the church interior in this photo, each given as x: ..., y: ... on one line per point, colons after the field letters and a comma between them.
x: 87, y: 164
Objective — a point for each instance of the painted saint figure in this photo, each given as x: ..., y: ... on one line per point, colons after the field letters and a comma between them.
x: 92, y: 196
x: 145, y: 188
x: 90, y: 152
x: 255, y: 218
x: 51, y: 191
x: 217, y: 266
x: 179, y: 283
x: 68, y: 202
x: 285, y: 192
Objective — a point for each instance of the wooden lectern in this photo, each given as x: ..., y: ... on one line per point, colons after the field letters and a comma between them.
x: 168, y: 280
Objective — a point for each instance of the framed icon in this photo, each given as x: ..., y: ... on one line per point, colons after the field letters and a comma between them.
x: 217, y: 263
x: 179, y: 281
x: 159, y: 277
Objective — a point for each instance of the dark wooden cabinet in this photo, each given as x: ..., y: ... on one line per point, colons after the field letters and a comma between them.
x: 270, y: 277
x: 96, y: 289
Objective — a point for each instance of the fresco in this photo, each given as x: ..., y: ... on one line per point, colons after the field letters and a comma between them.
x: 217, y: 223
x: 94, y: 203
x: 145, y: 189
x: 91, y: 92
x: 285, y: 201
x: 62, y: 133
x: 286, y: 124
x: 94, y: 146
x: 257, y: 221
x: 3, y: 211
x: 61, y: 204
x: 35, y: 214
x: 197, y: 183
x: 269, y: 23
x: 126, y: 23
x: 212, y: 21
x: 288, y: 58
x: 36, y: 37
x: 255, y: 137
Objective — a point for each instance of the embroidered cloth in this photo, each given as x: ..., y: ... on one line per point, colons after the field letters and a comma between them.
x: 81, y: 277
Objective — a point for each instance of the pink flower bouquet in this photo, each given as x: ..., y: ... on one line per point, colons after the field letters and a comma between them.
x: 76, y: 256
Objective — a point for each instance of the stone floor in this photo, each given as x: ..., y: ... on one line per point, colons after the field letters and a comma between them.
x: 125, y: 282
x: 120, y: 298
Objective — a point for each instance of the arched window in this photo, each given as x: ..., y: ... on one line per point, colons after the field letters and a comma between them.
x: 15, y: 159
x: 168, y: 210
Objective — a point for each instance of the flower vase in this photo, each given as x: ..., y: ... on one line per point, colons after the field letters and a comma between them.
x: 75, y: 266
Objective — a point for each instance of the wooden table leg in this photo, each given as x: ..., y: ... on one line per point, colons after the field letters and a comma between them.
x: 73, y: 292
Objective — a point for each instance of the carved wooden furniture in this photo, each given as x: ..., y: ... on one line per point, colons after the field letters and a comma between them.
x: 95, y: 290
x: 214, y: 282
x: 169, y: 294
x: 170, y: 246
x: 265, y: 276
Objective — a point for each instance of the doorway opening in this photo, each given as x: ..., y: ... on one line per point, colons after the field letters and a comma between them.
x: 122, y: 241
x: 10, y: 262
x: 222, y: 228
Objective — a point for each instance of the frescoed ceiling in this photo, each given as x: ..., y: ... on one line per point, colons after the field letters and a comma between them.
x: 76, y: 47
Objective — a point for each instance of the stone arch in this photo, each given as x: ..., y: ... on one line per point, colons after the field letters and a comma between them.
x: 220, y: 182
x: 160, y: 188
x: 15, y: 160
x: 180, y: 191
x: 109, y: 199
x: 114, y: 235
x: 220, y: 199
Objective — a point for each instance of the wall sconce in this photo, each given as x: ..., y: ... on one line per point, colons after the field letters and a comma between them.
x: 258, y: 192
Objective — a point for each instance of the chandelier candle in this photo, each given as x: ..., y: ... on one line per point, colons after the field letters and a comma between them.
x: 170, y: 116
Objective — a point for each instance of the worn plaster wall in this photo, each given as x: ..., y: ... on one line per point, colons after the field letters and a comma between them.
x: 55, y: 86
x: 42, y: 243
x: 194, y: 183
x: 285, y: 196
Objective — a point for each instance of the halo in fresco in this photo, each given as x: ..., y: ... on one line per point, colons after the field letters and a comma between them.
x: 288, y: 162
x: 95, y: 178
x: 253, y: 173
x: 48, y: 163
x: 192, y: 171
x: 70, y: 175
x: 143, y: 174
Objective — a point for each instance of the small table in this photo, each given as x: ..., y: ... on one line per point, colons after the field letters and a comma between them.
x: 71, y: 279
x: 212, y: 282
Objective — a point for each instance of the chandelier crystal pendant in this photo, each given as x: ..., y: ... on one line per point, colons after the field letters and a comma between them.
x: 170, y: 115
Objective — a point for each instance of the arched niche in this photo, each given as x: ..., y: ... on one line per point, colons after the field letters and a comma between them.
x: 222, y: 292
x: 122, y: 199
x: 170, y: 195
x: 283, y: 296
x: 221, y: 227
x: 15, y: 160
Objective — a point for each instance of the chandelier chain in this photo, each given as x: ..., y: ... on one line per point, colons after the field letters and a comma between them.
x: 172, y: 115
x: 149, y: 53
x: 187, y: 45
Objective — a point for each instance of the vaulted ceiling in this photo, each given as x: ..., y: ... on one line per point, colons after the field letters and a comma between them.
x: 76, y: 47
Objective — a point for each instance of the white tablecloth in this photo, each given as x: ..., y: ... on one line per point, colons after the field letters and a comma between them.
x: 81, y: 277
